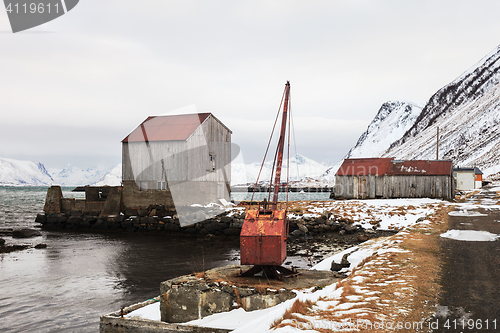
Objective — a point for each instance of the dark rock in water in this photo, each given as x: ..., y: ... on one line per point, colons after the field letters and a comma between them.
x: 84, y: 225
x: 41, y: 246
x: 100, y: 225
x: 189, y: 230
x: 90, y: 219
x: 26, y: 233
x: 74, y: 220
x: 171, y: 227
x: 2, y: 241
x: 12, y: 248
x: 40, y: 218
x: 113, y: 225
x: 57, y: 218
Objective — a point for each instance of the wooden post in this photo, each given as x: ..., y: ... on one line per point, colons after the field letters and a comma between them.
x: 437, y: 144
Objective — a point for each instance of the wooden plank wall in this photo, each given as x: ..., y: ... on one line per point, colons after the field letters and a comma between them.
x: 411, y: 186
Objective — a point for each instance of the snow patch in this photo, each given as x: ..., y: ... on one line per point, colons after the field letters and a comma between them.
x: 470, y: 235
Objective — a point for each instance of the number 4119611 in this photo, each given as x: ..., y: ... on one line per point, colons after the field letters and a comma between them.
x: 33, y: 8
x: 470, y: 324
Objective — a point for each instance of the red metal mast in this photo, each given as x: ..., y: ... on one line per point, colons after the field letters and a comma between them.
x: 281, y: 145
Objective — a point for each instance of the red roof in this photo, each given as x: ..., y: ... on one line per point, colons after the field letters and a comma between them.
x: 389, y: 166
x: 167, y: 128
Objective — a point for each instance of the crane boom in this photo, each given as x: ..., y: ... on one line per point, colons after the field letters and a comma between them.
x: 281, y: 145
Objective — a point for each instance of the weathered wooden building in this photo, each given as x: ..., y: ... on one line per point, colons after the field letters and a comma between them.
x: 364, y: 178
x: 177, y: 158
x: 468, y: 178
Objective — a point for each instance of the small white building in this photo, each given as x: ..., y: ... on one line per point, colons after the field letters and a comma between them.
x: 468, y: 178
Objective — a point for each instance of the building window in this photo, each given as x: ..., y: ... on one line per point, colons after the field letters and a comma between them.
x: 162, y: 186
x: 211, y: 166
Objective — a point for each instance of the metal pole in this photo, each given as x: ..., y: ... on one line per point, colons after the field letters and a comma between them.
x: 437, y: 144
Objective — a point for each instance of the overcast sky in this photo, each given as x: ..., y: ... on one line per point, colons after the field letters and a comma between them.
x: 73, y: 88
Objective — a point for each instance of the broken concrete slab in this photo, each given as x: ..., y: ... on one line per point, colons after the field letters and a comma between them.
x: 218, y: 290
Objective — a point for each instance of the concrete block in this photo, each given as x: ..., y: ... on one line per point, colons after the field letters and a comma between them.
x: 53, y: 200
x: 113, y: 203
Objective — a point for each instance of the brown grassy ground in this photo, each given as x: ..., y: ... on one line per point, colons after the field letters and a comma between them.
x: 388, y: 290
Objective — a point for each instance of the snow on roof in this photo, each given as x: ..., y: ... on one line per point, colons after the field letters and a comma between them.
x: 167, y: 128
x: 389, y: 166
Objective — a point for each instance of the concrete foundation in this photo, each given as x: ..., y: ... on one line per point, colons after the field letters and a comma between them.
x: 218, y: 290
x: 221, y: 289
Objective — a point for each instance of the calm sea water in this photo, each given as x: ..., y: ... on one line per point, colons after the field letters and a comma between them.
x: 82, y: 275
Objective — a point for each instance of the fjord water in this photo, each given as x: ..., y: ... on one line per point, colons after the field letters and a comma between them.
x: 82, y: 275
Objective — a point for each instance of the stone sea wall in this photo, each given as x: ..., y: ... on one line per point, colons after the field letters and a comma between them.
x: 159, y: 219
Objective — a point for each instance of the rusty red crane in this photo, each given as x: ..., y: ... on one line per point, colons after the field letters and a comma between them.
x: 263, y: 238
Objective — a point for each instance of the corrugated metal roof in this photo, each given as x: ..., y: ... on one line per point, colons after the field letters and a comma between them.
x: 389, y: 166
x: 364, y: 166
x: 167, y: 128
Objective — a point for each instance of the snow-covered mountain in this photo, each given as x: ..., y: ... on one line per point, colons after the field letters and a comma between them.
x: 392, y: 121
x: 390, y: 124
x: 27, y: 173
x: 112, y: 178
x: 300, y: 167
x: 73, y: 176
x: 467, y: 112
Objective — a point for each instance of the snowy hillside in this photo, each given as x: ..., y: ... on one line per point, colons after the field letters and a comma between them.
x: 74, y: 176
x: 390, y: 124
x: 467, y: 112
x: 15, y: 172
x: 300, y: 167
x: 392, y: 121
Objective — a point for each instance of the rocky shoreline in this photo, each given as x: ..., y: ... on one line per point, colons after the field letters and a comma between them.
x: 311, y: 237
x: 214, y: 221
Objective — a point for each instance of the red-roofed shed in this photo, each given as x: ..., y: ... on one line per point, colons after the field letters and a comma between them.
x: 362, y: 178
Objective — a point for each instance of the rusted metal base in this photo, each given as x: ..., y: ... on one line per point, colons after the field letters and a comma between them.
x: 270, y: 271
